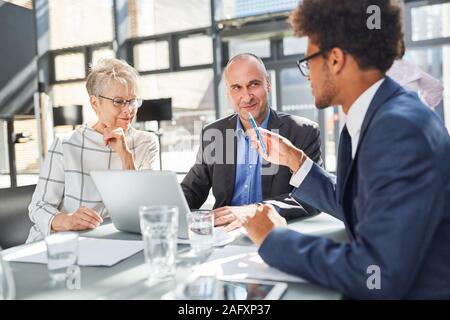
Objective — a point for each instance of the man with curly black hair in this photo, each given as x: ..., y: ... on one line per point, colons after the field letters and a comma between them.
x: 392, y: 185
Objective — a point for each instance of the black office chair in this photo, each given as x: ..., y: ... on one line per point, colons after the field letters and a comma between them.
x: 68, y: 116
x: 14, y: 221
x: 156, y: 110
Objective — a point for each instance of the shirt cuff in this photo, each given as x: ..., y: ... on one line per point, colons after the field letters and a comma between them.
x: 44, y: 222
x: 298, y: 177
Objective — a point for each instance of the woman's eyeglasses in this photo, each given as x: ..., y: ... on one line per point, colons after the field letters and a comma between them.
x: 121, y: 103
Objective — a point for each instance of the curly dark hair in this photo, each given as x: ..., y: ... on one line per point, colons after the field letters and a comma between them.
x: 343, y: 24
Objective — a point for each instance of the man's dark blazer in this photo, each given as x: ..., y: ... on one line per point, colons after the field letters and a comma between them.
x: 219, y: 170
x: 394, y: 199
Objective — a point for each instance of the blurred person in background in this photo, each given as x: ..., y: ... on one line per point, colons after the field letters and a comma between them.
x: 413, y: 78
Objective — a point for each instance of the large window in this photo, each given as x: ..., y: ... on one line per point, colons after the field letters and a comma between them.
x: 195, y: 50
x: 163, y: 60
x: 87, y: 27
x: 430, y: 22
x: 428, y: 44
x: 151, y: 55
x: 79, y: 22
x: 294, y: 45
x: 170, y: 42
x: 193, y: 106
x: 102, y: 53
x: 296, y: 94
x: 69, y: 66
x: 435, y: 61
x: 151, y: 17
x: 230, y: 9
x: 259, y: 47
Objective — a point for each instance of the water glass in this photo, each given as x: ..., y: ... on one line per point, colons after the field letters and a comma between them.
x: 62, y: 253
x: 201, y: 228
x: 159, y: 227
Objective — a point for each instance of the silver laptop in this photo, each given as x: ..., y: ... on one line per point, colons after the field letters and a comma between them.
x: 123, y: 192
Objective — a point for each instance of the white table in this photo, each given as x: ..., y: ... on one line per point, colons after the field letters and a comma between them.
x: 128, y: 279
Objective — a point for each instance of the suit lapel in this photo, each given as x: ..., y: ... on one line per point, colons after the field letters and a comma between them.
x: 386, y: 90
x: 274, y: 123
x: 230, y: 169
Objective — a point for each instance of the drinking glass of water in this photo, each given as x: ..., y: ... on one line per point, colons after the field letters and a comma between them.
x: 201, y: 227
x: 159, y: 228
x: 62, y: 253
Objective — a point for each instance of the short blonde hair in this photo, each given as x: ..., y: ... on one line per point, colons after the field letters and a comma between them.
x: 108, y: 71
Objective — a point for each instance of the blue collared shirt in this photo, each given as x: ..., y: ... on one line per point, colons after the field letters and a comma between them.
x: 247, y: 187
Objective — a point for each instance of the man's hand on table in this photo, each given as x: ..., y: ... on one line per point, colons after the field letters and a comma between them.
x: 232, y: 216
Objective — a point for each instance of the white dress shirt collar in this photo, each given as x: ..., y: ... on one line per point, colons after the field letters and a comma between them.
x: 357, y: 113
x: 354, y: 121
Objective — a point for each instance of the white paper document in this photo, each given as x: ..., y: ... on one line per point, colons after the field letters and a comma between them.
x: 91, y: 252
x: 220, y: 237
x: 241, y: 262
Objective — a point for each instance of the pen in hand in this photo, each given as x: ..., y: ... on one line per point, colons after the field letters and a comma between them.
x: 258, y: 134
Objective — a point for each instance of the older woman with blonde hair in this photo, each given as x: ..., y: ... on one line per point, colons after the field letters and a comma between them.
x: 66, y: 197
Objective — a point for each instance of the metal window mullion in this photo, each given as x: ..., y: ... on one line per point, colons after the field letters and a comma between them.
x: 174, y: 54
x: 87, y: 60
x: 217, y: 57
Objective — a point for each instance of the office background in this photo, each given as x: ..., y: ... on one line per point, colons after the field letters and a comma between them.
x: 180, y: 48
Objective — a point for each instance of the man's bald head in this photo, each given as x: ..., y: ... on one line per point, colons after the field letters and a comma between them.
x: 250, y: 57
x: 248, y: 87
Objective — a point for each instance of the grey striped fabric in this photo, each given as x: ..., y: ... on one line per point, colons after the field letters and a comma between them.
x: 65, y: 183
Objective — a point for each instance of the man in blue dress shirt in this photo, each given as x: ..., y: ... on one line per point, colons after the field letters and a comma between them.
x: 248, y: 187
x: 226, y: 161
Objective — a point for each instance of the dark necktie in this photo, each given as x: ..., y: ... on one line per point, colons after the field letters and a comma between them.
x: 344, y: 158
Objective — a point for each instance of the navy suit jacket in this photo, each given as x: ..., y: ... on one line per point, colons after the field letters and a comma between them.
x: 394, y: 201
